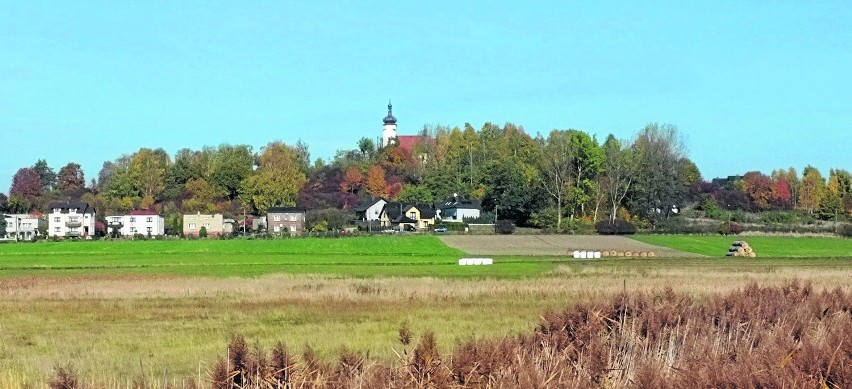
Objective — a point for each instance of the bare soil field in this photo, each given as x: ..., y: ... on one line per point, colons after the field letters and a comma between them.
x: 551, y: 244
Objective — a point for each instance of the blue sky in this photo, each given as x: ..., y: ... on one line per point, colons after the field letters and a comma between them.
x: 750, y: 85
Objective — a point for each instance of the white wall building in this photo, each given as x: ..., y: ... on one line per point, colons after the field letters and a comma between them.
x: 20, y: 226
x: 142, y: 222
x: 370, y: 210
x: 71, y: 219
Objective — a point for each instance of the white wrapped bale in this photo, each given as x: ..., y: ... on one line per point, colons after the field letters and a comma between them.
x: 597, y: 254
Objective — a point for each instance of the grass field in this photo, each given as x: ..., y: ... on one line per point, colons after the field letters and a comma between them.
x: 165, y: 309
x: 764, y: 246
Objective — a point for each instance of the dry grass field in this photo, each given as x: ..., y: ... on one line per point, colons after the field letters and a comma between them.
x: 121, y: 329
x: 551, y: 244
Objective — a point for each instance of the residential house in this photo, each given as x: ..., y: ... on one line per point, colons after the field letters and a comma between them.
x: 370, y: 210
x: 456, y: 209
x: 285, y: 219
x: 252, y: 223
x: 143, y: 222
x: 21, y: 226
x: 407, y: 216
x: 213, y: 224
x: 71, y: 219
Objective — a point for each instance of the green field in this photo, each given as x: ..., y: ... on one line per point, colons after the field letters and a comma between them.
x: 764, y: 246
x: 163, y: 310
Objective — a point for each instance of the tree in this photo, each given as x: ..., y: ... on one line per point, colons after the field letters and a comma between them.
x: 200, y: 196
x: 277, y: 180
x: 556, y: 169
x: 759, y: 189
x: 367, y: 147
x: 353, y: 180
x: 147, y: 172
x: 229, y: 166
x: 4, y: 202
x: 26, y: 191
x: 412, y: 193
x: 658, y: 188
x: 47, y: 176
x: 811, y: 190
x: 781, y: 195
x: 619, y: 169
x: 376, y: 181
x: 70, y: 178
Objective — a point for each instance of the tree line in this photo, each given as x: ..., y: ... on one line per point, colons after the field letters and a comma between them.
x: 556, y: 180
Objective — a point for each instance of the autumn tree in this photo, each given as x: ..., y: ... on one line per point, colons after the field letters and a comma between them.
x: 758, y: 187
x: 277, y: 180
x: 811, y: 190
x: 556, y: 170
x: 70, y: 178
x: 658, y: 188
x: 147, y: 171
x: 200, y: 196
x: 26, y: 191
x: 376, y: 182
x: 353, y: 180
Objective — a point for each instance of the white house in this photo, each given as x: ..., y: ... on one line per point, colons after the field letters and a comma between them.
x: 71, y: 219
x: 456, y: 209
x: 370, y: 210
x: 143, y: 222
x: 21, y: 226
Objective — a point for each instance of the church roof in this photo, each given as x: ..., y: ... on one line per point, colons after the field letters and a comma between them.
x: 389, y: 119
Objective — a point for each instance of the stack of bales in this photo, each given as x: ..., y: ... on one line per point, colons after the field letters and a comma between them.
x: 583, y: 254
x: 740, y: 248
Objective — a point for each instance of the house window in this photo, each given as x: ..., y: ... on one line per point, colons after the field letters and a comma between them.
x: 277, y: 218
x: 277, y: 228
x: 56, y: 219
x: 293, y: 228
x: 115, y: 220
x: 149, y: 230
x: 412, y: 215
x: 191, y: 226
x: 73, y: 210
x: 132, y: 229
x: 150, y: 219
x: 207, y: 225
x: 132, y: 219
x: 56, y: 229
x: 293, y: 217
x: 56, y: 210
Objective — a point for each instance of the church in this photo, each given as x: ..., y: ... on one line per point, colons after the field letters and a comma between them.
x: 390, y: 137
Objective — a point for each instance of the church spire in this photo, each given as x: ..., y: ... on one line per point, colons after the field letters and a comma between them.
x: 390, y: 119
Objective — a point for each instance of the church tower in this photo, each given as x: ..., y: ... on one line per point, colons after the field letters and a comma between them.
x: 389, y: 128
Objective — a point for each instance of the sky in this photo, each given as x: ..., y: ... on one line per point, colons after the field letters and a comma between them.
x: 750, y: 85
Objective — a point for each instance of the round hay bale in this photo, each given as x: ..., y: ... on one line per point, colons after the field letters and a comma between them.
x: 643, y: 254
x: 628, y: 254
x: 620, y: 254
x: 731, y: 254
x: 635, y: 253
x: 740, y: 251
x: 752, y: 254
x: 605, y: 253
x: 652, y: 254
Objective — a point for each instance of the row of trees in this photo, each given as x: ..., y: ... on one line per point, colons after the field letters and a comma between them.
x: 552, y: 181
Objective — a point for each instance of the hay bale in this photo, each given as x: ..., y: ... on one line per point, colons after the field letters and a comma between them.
x: 605, y: 253
x: 740, y: 250
x: 576, y: 253
x: 731, y: 254
x: 628, y: 254
x: 652, y: 254
x: 597, y: 255
x: 635, y: 253
x: 620, y: 254
x: 752, y: 254
x: 643, y: 254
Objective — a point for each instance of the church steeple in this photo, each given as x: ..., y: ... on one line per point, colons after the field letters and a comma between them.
x: 390, y: 119
x: 389, y: 127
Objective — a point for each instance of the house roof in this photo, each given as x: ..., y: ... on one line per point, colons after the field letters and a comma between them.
x: 285, y: 210
x: 367, y: 204
x: 459, y: 203
x: 143, y: 212
x: 66, y: 206
x: 397, y: 211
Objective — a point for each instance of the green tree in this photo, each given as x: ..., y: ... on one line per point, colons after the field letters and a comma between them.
x: 277, y: 180
x: 413, y: 193
x: 47, y: 176
x: 229, y: 166
x: 658, y: 188
x: 147, y: 173
x: 811, y: 189
x: 619, y: 170
x: 201, y: 196
x: 557, y: 169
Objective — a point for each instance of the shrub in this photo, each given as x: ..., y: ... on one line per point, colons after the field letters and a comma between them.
x: 845, y: 230
x: 504, y: 227
x: 616, y: 227
x: 730, y: 228
x: 202, y: 233
x: 778, y: 217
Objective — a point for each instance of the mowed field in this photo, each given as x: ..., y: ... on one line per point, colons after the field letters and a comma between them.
x: 162, y: 311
